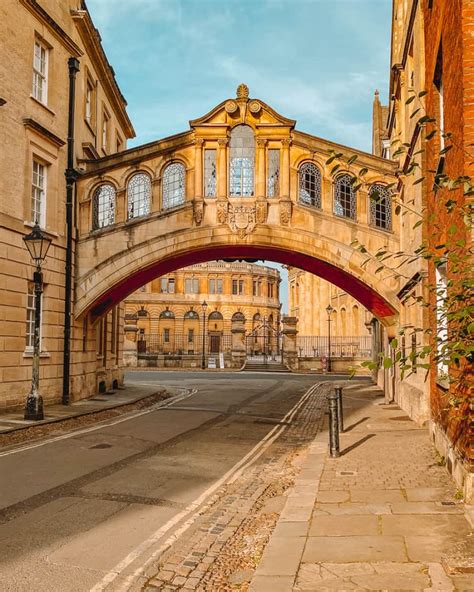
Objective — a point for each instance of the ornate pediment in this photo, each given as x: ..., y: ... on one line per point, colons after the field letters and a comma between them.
x: 243, y: 109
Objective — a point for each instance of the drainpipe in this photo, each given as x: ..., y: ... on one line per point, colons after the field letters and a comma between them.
x: 71, y: 176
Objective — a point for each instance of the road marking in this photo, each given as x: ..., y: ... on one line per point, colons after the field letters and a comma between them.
x: 229, y: 477
x: 104, y: 424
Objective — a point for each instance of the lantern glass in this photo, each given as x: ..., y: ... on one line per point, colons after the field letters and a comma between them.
x: 37, y: 244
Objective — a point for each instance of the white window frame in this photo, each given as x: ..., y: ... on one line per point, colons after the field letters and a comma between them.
x: 38, y: 191
x: 30, y: 319
x: 40, y: 74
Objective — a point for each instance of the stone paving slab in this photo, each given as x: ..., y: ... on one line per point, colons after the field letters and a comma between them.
x: 385, y: 514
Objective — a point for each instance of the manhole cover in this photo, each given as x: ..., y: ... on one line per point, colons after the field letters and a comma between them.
x: 100, y: 446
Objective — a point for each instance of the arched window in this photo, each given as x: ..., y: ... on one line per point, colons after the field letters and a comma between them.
x: 345, y: 200
x: 216, y: 316
x: 238, y: 316
x: 191, y: 314
x: 242, y: 161
x: 167, y: 314
x: 103, y: 206
x: 309, y: 185
x: 256, y: 317
x: 174, y: 179
x: 139, y: 194
x: 380, y: 207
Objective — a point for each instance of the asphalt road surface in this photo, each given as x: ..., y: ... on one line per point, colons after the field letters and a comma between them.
x: 84, y: 511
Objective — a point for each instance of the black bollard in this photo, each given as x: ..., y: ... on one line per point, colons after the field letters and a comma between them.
x: 340, y: 410
x: 333, y: 425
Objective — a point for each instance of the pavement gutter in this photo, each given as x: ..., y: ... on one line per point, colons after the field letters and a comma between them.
x: 282, y: 556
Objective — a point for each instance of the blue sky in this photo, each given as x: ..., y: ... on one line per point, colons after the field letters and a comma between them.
x: 316, y: 61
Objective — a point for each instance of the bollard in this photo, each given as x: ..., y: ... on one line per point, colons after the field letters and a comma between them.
x: 333, y: 425
x: 340, y: 410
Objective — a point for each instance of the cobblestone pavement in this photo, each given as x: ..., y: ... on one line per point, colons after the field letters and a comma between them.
x: 224, y: 545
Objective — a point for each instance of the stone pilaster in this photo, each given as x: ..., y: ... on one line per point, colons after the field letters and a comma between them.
x: 238, y: 342
x: 289, y: 332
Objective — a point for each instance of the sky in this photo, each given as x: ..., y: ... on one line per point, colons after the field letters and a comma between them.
x: 316, y: 61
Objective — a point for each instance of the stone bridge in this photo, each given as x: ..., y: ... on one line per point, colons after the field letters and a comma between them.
x: 242, y: 183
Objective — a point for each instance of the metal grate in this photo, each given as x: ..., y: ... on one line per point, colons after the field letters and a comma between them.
x: 273, y: 189
x: 316, y: 346
x: 174, y: 179
x: 345, y: 200
x: 139, y: 195
x: 210, y: 173
x: 380, y: 207
x: 103, y: 204
x: 310, y: 184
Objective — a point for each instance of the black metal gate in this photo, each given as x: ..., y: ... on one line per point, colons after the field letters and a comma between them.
x: 263, y: 344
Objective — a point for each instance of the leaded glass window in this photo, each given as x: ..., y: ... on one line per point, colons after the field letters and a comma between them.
x: 273, y: 189
x: 174, y: 179
x: 380, y: 207
x: 103, y: 205
x: 167, y: 314
x: 309, y: 183
x: 345, y: 200
x: 139, y: 195
x: 210, y: 173
x: 242, y: 161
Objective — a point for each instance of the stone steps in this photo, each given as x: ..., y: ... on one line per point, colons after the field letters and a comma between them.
x: 261, y: 367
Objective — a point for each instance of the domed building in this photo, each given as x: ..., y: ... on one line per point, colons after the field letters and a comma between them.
x: 178, y: 314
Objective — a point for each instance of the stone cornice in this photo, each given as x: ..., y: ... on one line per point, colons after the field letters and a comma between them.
x: 314, y: 143
x: 30, y: 123
x: 92, y: 42
x: 40, y: 13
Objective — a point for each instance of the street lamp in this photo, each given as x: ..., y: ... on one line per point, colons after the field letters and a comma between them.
x: 329, y: 310
x: 37, y: 244
x: 203, y: 359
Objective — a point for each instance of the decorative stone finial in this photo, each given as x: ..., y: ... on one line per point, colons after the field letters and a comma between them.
x: 242, y: 91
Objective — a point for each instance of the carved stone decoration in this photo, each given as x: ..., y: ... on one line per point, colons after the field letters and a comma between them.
x: 242, y: 219
x: 255, y: 107
x: 231, y: 107
x: 198, y: 211
x: 222, y: 207
x: 261, y: 211
x: 242, y: 91
x: 285, y: 212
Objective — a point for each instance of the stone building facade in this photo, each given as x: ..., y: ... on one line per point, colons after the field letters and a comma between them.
x: 309, y: 295
x: 432, y: 52
x: 166, y: 316
x: 33, y: 159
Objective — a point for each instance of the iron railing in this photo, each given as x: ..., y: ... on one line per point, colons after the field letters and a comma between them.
x: 316, y: 346
x: 183, y: 344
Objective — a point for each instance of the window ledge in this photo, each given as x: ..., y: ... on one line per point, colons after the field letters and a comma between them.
x: 29, y: 354
x: 38, y: 102
x: 32, y: 225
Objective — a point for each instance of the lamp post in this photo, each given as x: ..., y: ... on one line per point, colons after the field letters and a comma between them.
x: 329, y: 310
x: 203, y: 359
x: 37, y: 244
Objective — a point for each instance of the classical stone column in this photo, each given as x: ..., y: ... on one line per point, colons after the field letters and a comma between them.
x: 286, y: 206
x: 289, y: 331
x: 121, y: 213
x: 260, y: 189
x: 222, y: 168
x: 238, y: 342
x: 198, y: 168
x: 285, y: 168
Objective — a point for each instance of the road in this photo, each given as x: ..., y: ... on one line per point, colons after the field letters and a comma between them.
x: 86, y: 511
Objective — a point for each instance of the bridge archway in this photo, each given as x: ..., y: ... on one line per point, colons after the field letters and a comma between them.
x: 116, y: 277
